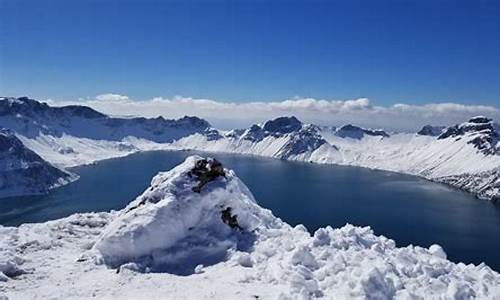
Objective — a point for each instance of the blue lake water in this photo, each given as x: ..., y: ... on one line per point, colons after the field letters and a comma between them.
x: 405, y: 208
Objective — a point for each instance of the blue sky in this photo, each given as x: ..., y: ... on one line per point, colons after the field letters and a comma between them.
x: 389, y: 51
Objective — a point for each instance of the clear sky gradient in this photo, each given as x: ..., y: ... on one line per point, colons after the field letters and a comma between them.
x: 389, y: 51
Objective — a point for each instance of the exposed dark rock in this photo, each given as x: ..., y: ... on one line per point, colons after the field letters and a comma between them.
x: 307, y: 139
x: 482, y: 129
x: 282, y: 125
x: 212, y: 134
x: 355, y: 132
x: 302, y: 137
x: 431, y: 130
x: 206, y: 170
x: 480, y: 120
x: 376, y: 132
x: 229, y: 219
x: 255, y: 134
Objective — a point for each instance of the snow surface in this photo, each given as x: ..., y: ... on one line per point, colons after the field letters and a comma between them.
x: 172, y: 243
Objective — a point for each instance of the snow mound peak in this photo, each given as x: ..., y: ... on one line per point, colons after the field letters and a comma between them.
x: 191, y: 215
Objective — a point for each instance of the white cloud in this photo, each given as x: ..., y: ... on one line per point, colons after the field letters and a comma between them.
x: 112, y: 97
x: 326, y: 112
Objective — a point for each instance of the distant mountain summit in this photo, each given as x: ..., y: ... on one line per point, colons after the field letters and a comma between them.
x: 431, y: 130
x: 297, y: 138
x: 30, y: 118
x: 482, y: 131
x: 465, y: 155
x: 355, y: 132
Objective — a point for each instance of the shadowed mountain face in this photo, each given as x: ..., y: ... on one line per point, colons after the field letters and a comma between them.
x: 30, y: 118
x: 431, y: 130
x: 355, y: 132
x: 483, y: 130
x: 301, y: 138
x: 22, y: 171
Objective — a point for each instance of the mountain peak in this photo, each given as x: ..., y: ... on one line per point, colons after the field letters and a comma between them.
x: 480, y: 120
x: 481, y: 131
x: 356, y: 132
x: 431, y: 130
x: 283, y: 125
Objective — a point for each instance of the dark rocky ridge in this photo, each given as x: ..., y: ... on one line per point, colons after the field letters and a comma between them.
x: 483, y: 132
x: 302, y: 137
x: 431, y: 130
x: 355, y: 132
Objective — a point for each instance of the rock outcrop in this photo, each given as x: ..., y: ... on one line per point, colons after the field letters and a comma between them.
x: 431, y: 130
x: 481, y: 132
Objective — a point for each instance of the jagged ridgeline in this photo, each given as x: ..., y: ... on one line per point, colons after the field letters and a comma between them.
x: 31, y: 118
x: 465, y: 155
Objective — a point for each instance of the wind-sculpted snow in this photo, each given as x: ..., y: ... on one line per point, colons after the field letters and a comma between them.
x: 176, y: 242
x: 23, y: 172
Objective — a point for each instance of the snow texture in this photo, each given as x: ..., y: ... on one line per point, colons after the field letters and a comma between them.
x: 171, y: 242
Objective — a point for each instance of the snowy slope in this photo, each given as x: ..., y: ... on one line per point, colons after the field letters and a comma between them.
x: 472, y: 149
x: 23, y: 172
x: 176, y: 241
x: 462, y: 155
x: 31, y: 118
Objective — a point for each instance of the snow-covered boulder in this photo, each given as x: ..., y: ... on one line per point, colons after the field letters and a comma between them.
x: 179, y: 223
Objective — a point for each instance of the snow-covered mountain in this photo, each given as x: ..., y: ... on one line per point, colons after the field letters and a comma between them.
x: 431, y: 130
x: 197, y: 232
x: 355, y: 132
x: 480, y: 131
x: 23, y: 172
x: 434, y: 153
x: 463, y: 155
x: 31, y: 118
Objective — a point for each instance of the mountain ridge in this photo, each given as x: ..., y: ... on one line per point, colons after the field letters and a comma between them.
x: 71, y: 136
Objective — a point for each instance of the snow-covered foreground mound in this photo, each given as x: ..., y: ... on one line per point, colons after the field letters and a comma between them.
x: 197, y: 232
x: 180, y: 223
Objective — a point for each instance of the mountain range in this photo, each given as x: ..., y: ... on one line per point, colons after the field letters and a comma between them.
x: 465, y: 155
